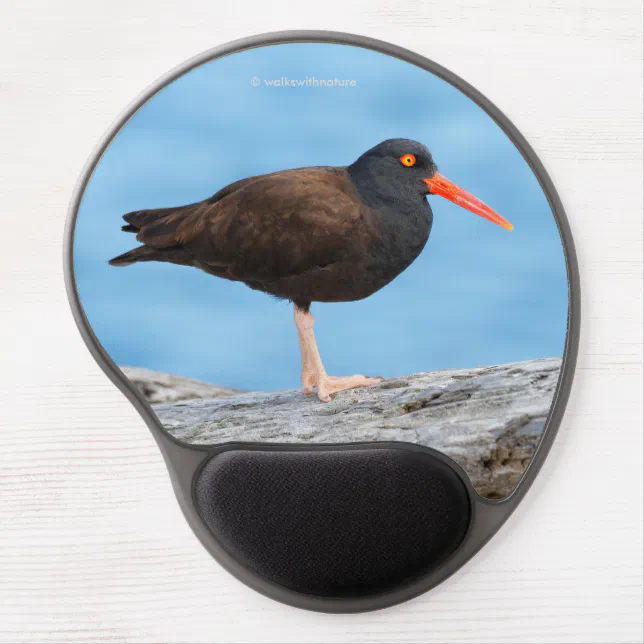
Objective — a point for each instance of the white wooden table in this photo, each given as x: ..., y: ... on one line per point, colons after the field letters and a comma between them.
x: 92, y: 543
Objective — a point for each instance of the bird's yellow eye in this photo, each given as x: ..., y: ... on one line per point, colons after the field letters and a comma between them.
x: 408, y: 159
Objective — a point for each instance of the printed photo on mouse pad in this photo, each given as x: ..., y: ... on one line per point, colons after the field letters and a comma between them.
x: 320, y: 243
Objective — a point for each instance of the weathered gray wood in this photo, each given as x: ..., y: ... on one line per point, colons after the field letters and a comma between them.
x: 158, y: 387
x: 488, y: 419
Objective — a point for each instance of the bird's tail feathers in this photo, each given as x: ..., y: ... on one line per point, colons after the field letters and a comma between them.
x: 140, y: 254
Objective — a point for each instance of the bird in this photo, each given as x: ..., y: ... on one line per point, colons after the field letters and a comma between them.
x: 311, y: 234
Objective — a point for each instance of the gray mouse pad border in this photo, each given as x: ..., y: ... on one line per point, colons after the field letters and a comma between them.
x: 185, y: 461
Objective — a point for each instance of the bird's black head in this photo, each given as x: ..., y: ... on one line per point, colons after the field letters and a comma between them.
x: 397, y: 174
x: 394, y: 169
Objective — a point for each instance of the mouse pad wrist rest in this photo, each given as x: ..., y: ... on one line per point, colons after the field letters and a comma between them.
x: 353, y: 366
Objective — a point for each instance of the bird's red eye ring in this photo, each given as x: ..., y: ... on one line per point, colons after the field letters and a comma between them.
x: 408, y: 159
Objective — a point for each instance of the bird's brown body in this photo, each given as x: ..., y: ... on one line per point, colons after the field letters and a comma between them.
x: 305, y: 235
x: 319, y: 234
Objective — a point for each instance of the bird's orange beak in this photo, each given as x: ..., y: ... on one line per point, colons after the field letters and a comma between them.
x: 439, y: 185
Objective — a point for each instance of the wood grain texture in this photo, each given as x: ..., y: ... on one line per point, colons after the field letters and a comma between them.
x: 93, y: 546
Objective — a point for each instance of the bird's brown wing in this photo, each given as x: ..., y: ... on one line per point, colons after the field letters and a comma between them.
x: 157, y: 228
x: 263, y: 228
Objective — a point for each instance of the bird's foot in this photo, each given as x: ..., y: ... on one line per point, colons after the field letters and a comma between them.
x: 329, y: 385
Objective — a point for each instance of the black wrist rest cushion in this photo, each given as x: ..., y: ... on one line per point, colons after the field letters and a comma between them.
x: 334, y: 523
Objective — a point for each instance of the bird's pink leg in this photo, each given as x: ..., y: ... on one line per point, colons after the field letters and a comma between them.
x: 308, y: 372
x: 312, y: 365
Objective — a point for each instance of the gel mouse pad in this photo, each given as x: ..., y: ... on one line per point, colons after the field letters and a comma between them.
x: 340, y: 288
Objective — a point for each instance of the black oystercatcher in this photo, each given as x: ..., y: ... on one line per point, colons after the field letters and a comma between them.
x: 319, y: 234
